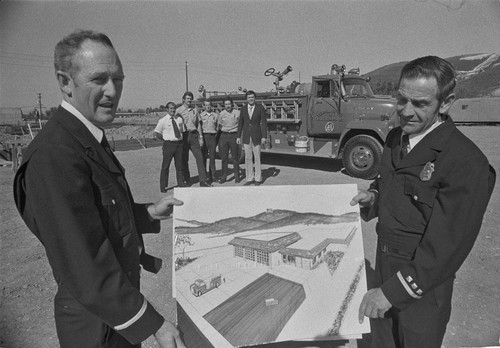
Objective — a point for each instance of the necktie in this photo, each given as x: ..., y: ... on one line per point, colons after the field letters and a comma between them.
x: 176, y: 129
x: 250, y: 113
x: 105, y: 144
x: 405, y: 144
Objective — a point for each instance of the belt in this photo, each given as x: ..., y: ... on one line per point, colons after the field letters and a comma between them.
x: 173, y: 141
x: 228, y: 132
x: 211, y: 134
x: 193, y: 131
x: 389, y: 250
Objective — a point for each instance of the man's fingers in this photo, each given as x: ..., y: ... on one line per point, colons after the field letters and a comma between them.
x: 176, y: 201
x: 361, y: 313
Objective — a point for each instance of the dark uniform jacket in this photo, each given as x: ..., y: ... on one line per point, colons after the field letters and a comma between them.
x: 255, y: 127
x: 430, y: 204
x: 74, y: 197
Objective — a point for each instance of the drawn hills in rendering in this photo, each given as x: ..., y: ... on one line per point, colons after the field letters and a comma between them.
x: 270, y: 219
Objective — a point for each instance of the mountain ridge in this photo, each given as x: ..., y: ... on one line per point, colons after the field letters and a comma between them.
x: 270, y: 219
x: 478, y: 75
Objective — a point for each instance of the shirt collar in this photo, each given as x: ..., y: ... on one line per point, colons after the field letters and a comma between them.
x: 97, y: 132
x: 416, y: 138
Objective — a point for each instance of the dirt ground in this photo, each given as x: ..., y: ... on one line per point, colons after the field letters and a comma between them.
x: 26, y: 307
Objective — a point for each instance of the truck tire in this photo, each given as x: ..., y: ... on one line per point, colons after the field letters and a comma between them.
x: 361, y: 157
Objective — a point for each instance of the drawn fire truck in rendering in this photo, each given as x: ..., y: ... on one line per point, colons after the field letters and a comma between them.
x: 201, y: 286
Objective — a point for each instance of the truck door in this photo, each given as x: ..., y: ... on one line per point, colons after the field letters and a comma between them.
x: 324, y: 118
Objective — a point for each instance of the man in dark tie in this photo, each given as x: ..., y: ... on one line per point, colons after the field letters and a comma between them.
x: 252, y: 128
x: 72, y: 193
x: 433, y: 188
x: 169, y: 129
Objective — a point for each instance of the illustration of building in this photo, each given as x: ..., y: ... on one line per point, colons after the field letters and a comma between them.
x: 289, y: 248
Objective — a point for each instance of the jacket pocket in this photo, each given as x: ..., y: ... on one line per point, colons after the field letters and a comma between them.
x: 115, y: 216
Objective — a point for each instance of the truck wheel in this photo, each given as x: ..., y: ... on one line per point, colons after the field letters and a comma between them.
x: 361, y: 157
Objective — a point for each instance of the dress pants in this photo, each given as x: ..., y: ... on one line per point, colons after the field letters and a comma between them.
x: 192, y: 142
x: 209, y: 152
x: 227, y: 142
x: 78, y: 328
x: 171, y: 149
x: 251, y: 149
x: 421, y: 324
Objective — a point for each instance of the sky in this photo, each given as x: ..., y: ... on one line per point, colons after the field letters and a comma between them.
x: 229, y: 44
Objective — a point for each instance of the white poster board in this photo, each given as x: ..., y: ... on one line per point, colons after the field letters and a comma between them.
x: 270, y: 263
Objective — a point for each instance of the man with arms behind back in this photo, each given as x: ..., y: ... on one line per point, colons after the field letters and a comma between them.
x: 72, y: 193
x: 433, y: 188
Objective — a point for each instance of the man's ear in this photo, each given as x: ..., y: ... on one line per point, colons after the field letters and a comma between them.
x: 447, y: 103
x: 64, y: 79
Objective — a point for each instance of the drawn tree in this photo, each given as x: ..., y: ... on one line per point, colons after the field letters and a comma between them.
x: 182, y: 241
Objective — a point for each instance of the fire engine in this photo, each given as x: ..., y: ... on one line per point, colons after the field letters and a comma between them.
x: 334, y: 116
x: 201, y: 286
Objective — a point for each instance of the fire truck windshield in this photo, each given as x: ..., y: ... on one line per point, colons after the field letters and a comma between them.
x: 357, y: 88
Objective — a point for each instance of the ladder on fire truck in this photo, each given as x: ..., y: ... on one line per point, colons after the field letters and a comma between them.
x: 277, y: 110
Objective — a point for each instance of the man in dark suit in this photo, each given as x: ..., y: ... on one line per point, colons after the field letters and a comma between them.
x: 433, y: 188
x: 72, y: 193
x: 252, y: 128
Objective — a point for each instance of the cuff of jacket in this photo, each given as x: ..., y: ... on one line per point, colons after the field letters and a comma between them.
x: 146, y: 325
x: 143, y: 220
x: 396, y: 293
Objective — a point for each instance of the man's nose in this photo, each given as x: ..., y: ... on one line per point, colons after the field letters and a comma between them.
x: 110, y: 88
x: 407, y: 110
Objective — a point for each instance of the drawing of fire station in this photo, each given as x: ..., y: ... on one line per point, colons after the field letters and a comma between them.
x: 275, y: 249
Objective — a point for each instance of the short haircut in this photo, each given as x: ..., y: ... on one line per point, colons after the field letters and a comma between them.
x: 250, y: 92
x: 71, y: 45
x: 207, y: 101
x: 432, y: 66
x: 187, y: 94
x: 228, y: 99
x: 170, y: 103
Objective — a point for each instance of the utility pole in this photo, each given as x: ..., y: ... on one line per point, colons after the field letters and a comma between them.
x: 187, y: 87
x: 40, y: 103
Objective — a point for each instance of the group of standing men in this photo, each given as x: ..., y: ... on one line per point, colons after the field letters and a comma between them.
x: 185, y: 129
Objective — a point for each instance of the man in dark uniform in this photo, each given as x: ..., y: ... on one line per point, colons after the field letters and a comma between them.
x: 72, y: 193
x: 433, y: 188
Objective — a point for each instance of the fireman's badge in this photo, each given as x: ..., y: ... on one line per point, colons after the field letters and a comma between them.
x: 426, y: 173
x: 329, y: 127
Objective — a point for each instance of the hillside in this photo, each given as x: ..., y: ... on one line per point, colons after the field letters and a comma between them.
x: 478, y: 75
x: 266, y: 220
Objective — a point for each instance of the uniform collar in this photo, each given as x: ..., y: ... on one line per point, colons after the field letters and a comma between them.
x: 428, y: 148
x: 97, y: 132
x: 93, y: 148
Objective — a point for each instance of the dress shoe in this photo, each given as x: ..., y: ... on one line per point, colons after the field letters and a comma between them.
x: 204, y: 184
x: 237, y: 180
x: 258, y: 183
x: 222, y: 180
x: 248, y: 183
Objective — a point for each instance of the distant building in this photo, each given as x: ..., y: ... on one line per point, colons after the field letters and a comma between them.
x: 278, y: 251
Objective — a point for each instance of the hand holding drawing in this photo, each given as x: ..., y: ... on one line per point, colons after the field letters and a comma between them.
x: 168, y: 336
x: 163, y: 208
x: 364, y: 198
x: 374, y: 305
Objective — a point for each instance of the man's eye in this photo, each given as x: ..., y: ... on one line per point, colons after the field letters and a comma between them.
x: 100, y: 79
